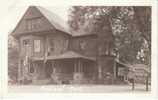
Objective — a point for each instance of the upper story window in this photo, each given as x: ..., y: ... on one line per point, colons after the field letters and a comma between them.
x: 83, y: 45
x: 51, y: 45
x: 66, y: 44
x: 26, y: 42
x: 37, y: 45
x: 33, y: 23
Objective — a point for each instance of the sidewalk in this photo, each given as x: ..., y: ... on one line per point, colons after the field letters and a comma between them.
x: 79, y: 89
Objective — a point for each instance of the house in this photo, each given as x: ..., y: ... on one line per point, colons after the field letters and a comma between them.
x: 49, y: 51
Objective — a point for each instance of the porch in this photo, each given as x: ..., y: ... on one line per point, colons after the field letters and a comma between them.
x: 67, y: 68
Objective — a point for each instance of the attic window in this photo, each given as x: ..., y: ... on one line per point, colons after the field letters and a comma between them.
x: 33, y: 23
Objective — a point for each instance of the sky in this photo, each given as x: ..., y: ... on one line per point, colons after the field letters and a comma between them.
x: 12, y: 10
x: 16, y: 13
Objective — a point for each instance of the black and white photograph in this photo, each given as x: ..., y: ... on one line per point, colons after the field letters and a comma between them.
x: 98, y: 45
x: 79, y: 49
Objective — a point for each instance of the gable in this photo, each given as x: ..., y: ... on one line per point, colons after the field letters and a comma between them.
x: 32, y: 21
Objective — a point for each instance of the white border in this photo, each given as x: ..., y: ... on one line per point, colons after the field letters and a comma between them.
x: 4, y: 50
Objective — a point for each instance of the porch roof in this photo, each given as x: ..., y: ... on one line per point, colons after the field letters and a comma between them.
x: 66, y: 55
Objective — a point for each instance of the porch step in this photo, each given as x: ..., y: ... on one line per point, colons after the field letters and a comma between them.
x: 41, y: 82
x: 61, y: 78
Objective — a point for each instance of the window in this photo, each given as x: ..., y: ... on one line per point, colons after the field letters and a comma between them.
x: 33, y: 23
x: 65, y: 46
x: 83, y: 45
x: 37, y: 46
x: 51, y: 45
x: 31, y: 69
x: 26, y: 42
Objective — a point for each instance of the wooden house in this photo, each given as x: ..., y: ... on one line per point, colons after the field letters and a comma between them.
x: 49, y: 51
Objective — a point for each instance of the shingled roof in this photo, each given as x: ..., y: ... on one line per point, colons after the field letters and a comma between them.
x: 55, y: 20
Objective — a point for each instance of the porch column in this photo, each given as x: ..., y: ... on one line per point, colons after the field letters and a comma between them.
x: 53, y: 66
x: 78, y: 75
x: 20, y: 71
x: 43, y: 71
x: 75, y: 66
x: 100, y: 72
x: 79, y: 66
x: 114, y: 69
x: 35, y: 74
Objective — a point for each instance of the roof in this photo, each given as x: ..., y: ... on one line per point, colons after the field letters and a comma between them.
x: 55, y: 20
x: 60, y: 24
x: 66, y: 55
x: 81, y: 33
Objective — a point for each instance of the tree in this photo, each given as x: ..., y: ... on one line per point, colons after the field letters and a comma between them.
x: 125, y: 23
x: 12, y: 58
x: 142, y: 18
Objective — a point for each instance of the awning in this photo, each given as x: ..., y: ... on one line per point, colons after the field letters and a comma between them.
x: 66, y: 55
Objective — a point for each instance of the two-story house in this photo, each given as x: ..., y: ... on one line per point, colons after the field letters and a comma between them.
x: 49, y: 51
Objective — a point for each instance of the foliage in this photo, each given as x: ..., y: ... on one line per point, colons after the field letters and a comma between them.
x: 130, y: 27
x: 12, y: 58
